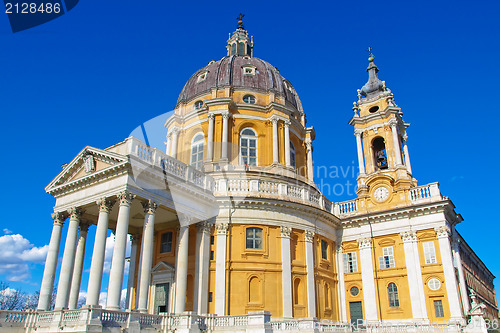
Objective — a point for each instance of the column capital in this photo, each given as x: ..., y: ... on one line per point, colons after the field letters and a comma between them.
x: 338, y: 248
x: 274, y: 119
x: 309, y: 236
x: 287, y: 122
x: 405, y: 137
x: 221, y: 228
x: 149, y: 207
x: 408, y: 236
x: 226, y: 115
x: 105, y: 204
x: 211, y: 115
x: 204, y: 227
x: 75, y: 213
x: 364, y: 243
x: 442, y: 231
x: 59, y: 217
x: 358, y: 132
x: 393, y: 123
x: 285, y: 231
x: 84, y: 226
x: 185, y: 219
x: 125, y: 198
x: 174, y: 130
x: 308, y: 143
x: 134, y: 238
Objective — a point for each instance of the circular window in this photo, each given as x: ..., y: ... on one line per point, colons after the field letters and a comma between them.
x: 434, y: 284
x: 249, y: 99
x: 198, y: 105
x: 354, y: 291
x: 373, y: 109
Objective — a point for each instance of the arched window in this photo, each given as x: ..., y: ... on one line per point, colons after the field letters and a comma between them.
x: 392, y: 290
x: 254, y: 238
x: 292, y: 155
x: 379, y: 153
x: 249, y: 99
x: 198, y: 105
x: 197, y: 151
x: 248, y: 147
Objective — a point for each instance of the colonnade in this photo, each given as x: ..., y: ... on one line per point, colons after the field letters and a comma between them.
x: 74, y: 250
x: 173, y: 141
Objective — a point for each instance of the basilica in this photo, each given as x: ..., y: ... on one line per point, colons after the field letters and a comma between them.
x: 230, y: 233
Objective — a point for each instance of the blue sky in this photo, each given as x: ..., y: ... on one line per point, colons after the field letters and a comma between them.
x: 93, y: 75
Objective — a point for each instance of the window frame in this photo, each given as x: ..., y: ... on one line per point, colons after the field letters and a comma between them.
x: 438, y: 310
x: 254, y: 238
x: 350, y: 262
x: 324, y: 249
x: 393, y: 295
x: 387, y: 260
x: 293, y: 161
x: 198, y: 105
x: 251, y: 99
x: 248, y: 137
x: 429, y: 253
x: 162, y: 241
x: 197, y: 141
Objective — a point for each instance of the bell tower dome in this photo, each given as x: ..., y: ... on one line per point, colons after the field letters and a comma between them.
x: 385, y: 173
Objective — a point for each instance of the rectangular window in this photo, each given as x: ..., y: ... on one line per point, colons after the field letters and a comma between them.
x: 429, y: 253
x: 210, y: 296
x: 211, y: 255
x: 438, y: 308
x: 212, y: 240
x: 350, y: 262
x: 254, y: 238
x: 166, y: 242
x: 324, y: 250
x: 387, y: 260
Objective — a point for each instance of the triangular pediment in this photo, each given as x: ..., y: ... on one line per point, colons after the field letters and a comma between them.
x: 87, y: 163
x: 163, y: 266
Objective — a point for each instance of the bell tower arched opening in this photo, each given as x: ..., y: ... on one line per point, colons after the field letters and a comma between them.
x: 379, y: 153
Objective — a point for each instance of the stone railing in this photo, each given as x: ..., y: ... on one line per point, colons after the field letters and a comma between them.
x: 425, y: 193
x: 345, y: 208
x: 101, y: 320
x: 169, y: 165
x: 247, y: 185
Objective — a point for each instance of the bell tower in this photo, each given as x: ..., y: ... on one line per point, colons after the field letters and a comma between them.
x: 384, y: 163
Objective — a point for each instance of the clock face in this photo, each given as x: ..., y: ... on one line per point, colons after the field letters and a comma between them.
x: 381, y: 193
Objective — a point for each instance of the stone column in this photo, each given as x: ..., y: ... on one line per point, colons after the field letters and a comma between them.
x: 181, y: 270
x: 359, y: 145
x: 220, y: 269
x: 49, y: 272
x: 68, y: 261
x: 225, y: 133
x: 274, y: 121
x: 286, y: 275
x: 414, y: 273
x: 118, y: 262
x: 97, y: 265
x: 287, y: 143
x: 201, y: 268
x: 146, y: 254
x: 210, y: 143
x: 175, y: 141
x: 370, y: 299
x: 407, y: 155
x: 168, y: 144
x: 461, y: 277
x: 443, y: 234
x: 78, y: 269
x: 311, y: 293
x: 131, y: 271
x: 340, y: 270
x: 395, y: 140
x: 310, y: 170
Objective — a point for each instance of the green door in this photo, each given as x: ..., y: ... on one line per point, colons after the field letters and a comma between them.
x: 356, y: 310
x: 161, y: 297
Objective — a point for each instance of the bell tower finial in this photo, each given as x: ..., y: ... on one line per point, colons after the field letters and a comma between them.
x: 239, y: 43
x: 371, y: 57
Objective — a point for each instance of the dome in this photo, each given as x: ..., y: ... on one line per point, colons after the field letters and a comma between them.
x: 229, y: 72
